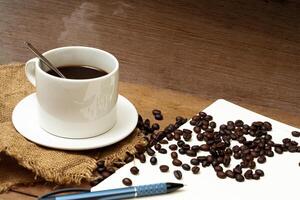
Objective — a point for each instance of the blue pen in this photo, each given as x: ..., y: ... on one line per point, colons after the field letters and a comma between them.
x: 120, y: 193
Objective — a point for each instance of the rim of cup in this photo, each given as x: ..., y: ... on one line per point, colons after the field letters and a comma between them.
x: 38, y: 63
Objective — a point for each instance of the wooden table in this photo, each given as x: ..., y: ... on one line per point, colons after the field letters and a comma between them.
x: 179, y: 56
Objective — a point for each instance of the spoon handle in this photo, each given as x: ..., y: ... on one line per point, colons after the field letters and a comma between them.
x: 44, y: 59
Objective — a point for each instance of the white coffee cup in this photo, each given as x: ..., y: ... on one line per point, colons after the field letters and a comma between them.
x: 76, y: 108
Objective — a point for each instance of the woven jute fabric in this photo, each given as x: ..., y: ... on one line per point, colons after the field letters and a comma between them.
x: 23, y: 162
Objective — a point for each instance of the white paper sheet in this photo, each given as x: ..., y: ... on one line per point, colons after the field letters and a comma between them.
x: 282, y: 172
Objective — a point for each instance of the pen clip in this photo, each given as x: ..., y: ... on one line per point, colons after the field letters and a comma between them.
x: 64, y: 190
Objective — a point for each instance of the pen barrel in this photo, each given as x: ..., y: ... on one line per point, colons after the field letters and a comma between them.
x: 113, y: 194
x: 152, y: 189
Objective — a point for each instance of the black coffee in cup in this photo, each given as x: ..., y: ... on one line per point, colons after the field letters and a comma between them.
x: 79, y: 72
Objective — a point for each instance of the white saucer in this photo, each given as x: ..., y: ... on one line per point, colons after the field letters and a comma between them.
x: 25, y: 120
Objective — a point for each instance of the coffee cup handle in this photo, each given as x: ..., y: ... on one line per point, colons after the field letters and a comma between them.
x: 30, y: 70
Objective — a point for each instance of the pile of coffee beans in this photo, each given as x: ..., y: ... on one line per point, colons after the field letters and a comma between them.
x: 235, y: 140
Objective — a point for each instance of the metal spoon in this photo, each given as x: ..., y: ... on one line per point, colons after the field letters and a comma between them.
x: 43, y: 59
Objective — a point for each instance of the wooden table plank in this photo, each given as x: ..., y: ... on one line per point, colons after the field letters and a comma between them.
x: 244, y: 51
x: 14, y: 195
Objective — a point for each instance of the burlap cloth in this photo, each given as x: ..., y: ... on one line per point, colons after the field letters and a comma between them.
x: 23, y: 162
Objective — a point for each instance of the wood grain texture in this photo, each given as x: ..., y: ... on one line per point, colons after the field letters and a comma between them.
x: 191, y: 52
x: 243, y: 51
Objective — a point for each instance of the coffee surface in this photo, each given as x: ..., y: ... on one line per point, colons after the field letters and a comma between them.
x: 79, y: 72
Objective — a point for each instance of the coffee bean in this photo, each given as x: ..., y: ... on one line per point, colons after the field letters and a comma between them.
x: 296, y: 133
x: 269, y: 153
x: 261, y: 159
x: 268, y: 137
x: 226, y: 161
x: 177, y: 137
x: 173, y: 147
x: 197, y: 129
x: 202, y: 158
x: 267, y: 126
x: 193, y: 122
x: 237, y: 170
x: 229, y: 173
x: 248, y: 174
x: 252, y: 165
x: 150, y: 151
x: 200, y: 137
x: 134, y: 170
x: 174, y: 155
x: 255, y: 176
x: 178, y: 131
x: 259, y: 172
x: 191, y: 153
x: 239, y: 178
x: 286, y: 140
x: 202, y: 114
x: 215, y: 163
x: 105, y: 174
x: 111, y: 170
x: 118, y: 163
x: 101, y: 163
x: 205, y: 163
x: 179, y: 118
x: 164, y: 168
x: 237, y: 155
x: 96, y: 182
x: 159, y: 136
x: 180, y: 143
x: 221, y: 174
x: 163, y: 151
x: 101, y: 169
x: 157, y: 147
x: 127, y: 181
x: 238, y: 123
x: 187, y: 131
x: 169, y: 136
x: 218, y: 168
x: 195, y: 169
x: 163, y: 141
x: 147, y: 123
x: 182, y: 151
x: 178, y: 174
x: 155, y: 126
x: 129, y: 158
x: 241, y: 139
x: 141, y: 157
x: 153, y: 160
x: 158, y: 117
x: 235, y: 149
x: 292, y: 149
x: 156, y: 112
x: 208, y: 117
x: 186, y: 147
x: 213, y: 124
x: 209, y: 158
x: 204, y: 147
x: 177, y: 162
x: 187, y: 136
x: 278, y: 150
x: 195, y: 148
x: 294, y: 143
x: 194, y: 161
x: 186, y: 167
